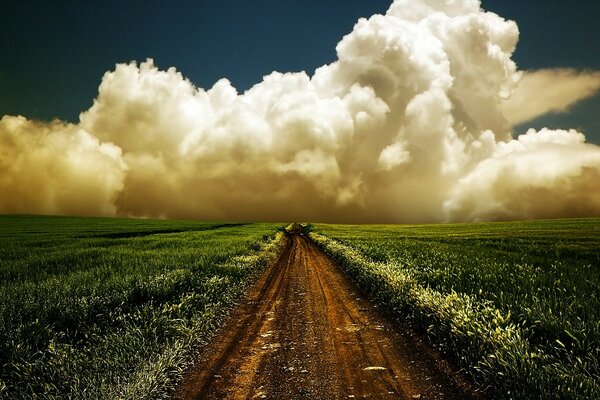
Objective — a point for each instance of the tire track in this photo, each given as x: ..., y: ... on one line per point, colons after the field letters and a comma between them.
x: 305, y: 331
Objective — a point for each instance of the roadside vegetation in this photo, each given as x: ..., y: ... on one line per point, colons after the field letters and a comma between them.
x: 516, y: 304
x: 116, y: 308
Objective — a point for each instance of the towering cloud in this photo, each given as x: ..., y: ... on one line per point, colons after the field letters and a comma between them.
x: 412, y: 123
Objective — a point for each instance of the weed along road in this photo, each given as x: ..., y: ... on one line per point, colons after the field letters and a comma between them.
x: 305, y: 332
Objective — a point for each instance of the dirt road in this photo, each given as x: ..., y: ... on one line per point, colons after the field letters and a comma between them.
x: 305, y: 332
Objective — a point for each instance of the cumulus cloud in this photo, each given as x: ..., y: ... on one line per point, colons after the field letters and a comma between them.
x: 409, y: 124
x: 549, y: 91
x: 542, y: 174
x: 57, y: 168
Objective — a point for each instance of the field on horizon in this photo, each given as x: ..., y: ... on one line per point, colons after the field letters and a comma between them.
x: 118, y: 308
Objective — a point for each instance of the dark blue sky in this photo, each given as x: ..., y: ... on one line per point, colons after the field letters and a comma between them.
x: 54, y: 53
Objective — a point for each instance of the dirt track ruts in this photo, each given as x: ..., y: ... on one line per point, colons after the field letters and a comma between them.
x: 304, y: 331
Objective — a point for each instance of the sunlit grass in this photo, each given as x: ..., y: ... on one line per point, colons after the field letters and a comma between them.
x: 115, y: 308
x: 517, y: 304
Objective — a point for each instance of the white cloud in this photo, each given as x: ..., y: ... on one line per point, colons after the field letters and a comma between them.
x: 549, y: 91
x: 407, y: 125
x: 57, y: 168
x: 542, y: 174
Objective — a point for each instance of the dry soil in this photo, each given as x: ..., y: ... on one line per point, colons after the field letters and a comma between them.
x: 306, y: 331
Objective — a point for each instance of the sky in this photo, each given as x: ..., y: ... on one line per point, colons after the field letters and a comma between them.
x: 426, y: 112
x: 66, y: 46
x: 55, y: 53
x: 558, y: 34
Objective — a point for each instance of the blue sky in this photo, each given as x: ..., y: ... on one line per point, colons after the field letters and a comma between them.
x: 55, y: 53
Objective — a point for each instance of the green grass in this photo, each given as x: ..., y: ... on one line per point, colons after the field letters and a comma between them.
x: 116, y: 308
x: 517, y: 304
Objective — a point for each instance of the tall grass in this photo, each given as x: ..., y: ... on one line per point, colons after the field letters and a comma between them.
x: 515, y: 303
x: 109, y: 308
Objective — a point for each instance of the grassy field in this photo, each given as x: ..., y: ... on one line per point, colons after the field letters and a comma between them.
x: 517, y: 304
x: 115, y: 308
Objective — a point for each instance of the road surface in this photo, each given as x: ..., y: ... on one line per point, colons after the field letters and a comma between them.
x: 305, y: 331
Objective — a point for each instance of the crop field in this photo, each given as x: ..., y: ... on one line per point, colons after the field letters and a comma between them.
x: 115, y: 308
x: 516, y: 304
x: 120, y: 308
